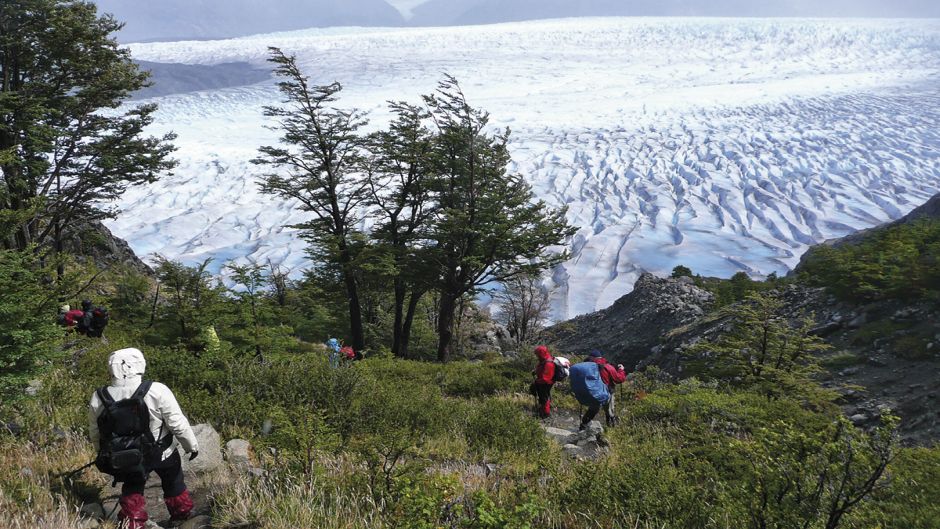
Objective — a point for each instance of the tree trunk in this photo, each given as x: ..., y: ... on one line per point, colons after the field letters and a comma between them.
x: 409, y: 320
x: 398, y: 326
x: 445, y: 325
x: 355, y: 311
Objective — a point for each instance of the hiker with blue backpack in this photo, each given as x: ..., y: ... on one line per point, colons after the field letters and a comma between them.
x: 592, y: 382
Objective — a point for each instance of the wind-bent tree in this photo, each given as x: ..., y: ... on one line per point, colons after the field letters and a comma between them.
x: 319, y: 164
x: 400, y: 174
x: 66, y: 144
x: 488, y: 228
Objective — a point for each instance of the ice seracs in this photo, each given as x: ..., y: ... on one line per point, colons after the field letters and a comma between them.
x: 720, y: 144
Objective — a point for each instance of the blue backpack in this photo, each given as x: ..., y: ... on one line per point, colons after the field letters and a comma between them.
x: 587, y: 385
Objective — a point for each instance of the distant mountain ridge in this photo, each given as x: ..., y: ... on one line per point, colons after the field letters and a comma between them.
x: 215, y: 19
x: 461, y: 12
x: 169, y: 20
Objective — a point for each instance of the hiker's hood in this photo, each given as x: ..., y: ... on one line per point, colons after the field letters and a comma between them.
x: 542, y: 352
x: 127, y: 366
x: 333, y: 344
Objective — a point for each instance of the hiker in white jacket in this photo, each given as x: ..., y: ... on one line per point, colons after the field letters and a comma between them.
x: 170, y: 428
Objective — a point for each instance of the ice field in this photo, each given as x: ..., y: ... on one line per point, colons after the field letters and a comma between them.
x: 721, y: 144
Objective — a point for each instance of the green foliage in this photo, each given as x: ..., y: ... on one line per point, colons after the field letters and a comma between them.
x: 27, y: 313
x: 497, y: 427
x: 488, y: 514
x: 913, y: 497
x: 800, y: 478
x: 681, y: 271
x: 193, y: 301
x: 763, y: 350
x: 64, y: 148
x: 896, y: 262
x: 489, y: 227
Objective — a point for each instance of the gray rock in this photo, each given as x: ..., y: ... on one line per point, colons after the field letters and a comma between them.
x: 559, y: 435
x: 89, y: 523
x: 12, y: 427
x: 256, y: 472
x: 93, y: 511
x: 33, y: 388
x: 197, y: 522
x: 574, y: 451
x: 238, y: 454
x: 858, y: 321
x: 859, y: 418
x: 210, y: 451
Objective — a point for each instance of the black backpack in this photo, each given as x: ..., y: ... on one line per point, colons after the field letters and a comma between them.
x: 98, y: 321
x: 127, y: 449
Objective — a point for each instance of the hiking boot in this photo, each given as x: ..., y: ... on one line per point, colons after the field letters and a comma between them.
x: 180, y: 507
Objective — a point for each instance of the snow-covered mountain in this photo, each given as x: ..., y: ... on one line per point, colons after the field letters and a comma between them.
x: 458, y: 12
x: 149, y: 20
x: 724, y: 145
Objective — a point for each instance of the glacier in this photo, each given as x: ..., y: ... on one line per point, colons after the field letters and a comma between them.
x: 721, y: 144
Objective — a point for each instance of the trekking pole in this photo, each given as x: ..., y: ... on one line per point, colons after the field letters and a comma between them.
x: 68, y: 475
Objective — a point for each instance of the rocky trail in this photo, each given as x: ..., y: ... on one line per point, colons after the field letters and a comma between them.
x: 214, y: 467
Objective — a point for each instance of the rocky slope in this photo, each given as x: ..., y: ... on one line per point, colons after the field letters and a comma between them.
x: 94, y: 242
x: 635, y: 323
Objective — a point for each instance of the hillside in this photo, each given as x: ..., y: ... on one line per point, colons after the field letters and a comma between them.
x: 888, y: 346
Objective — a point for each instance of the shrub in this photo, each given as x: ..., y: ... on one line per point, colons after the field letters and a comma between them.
x: 498, y: 428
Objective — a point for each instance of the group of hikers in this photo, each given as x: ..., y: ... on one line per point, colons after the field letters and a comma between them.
x: 139, y: 428
x: 592, y: 382
x: 89, y: 320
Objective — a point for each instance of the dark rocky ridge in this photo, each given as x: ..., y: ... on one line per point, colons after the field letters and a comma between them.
x: 94, y: 242
x: 635, y: 323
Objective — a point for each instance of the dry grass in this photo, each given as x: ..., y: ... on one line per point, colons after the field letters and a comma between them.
x: 33, y: 492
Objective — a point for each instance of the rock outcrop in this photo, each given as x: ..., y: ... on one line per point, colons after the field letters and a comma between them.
x: 628, y: 330
x: 210, y: 451
x: 93, y: 241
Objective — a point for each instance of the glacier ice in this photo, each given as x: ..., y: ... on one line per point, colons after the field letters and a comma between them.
x: 721, y: 144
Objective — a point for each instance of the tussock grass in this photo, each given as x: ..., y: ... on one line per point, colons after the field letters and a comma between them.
x: 33, y: 491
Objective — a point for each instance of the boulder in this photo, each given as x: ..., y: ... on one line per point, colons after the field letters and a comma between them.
x: 33, y: 388
x: 238, y: 454
x: 574, y: 451
x: 559, y: 435
x: 210, y: 451
x: 197, y: 522
x: 92, y: 511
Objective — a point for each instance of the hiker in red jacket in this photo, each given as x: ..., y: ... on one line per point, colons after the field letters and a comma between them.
x: 611, y: 376
x: 544, y: 379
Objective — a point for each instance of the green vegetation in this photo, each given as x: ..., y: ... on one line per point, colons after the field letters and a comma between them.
x: 895, y: 262
x: 394, y: 443
x: 390, y: 442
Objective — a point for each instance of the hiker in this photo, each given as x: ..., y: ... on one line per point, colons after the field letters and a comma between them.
x: 137, y: 426
x: 348, y: 354
x: 85, y: 320
x: 333, y: 351
x: 69, y: 318
x: 593, y: 384
x: 94, y: 320
x: 544, y: 380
